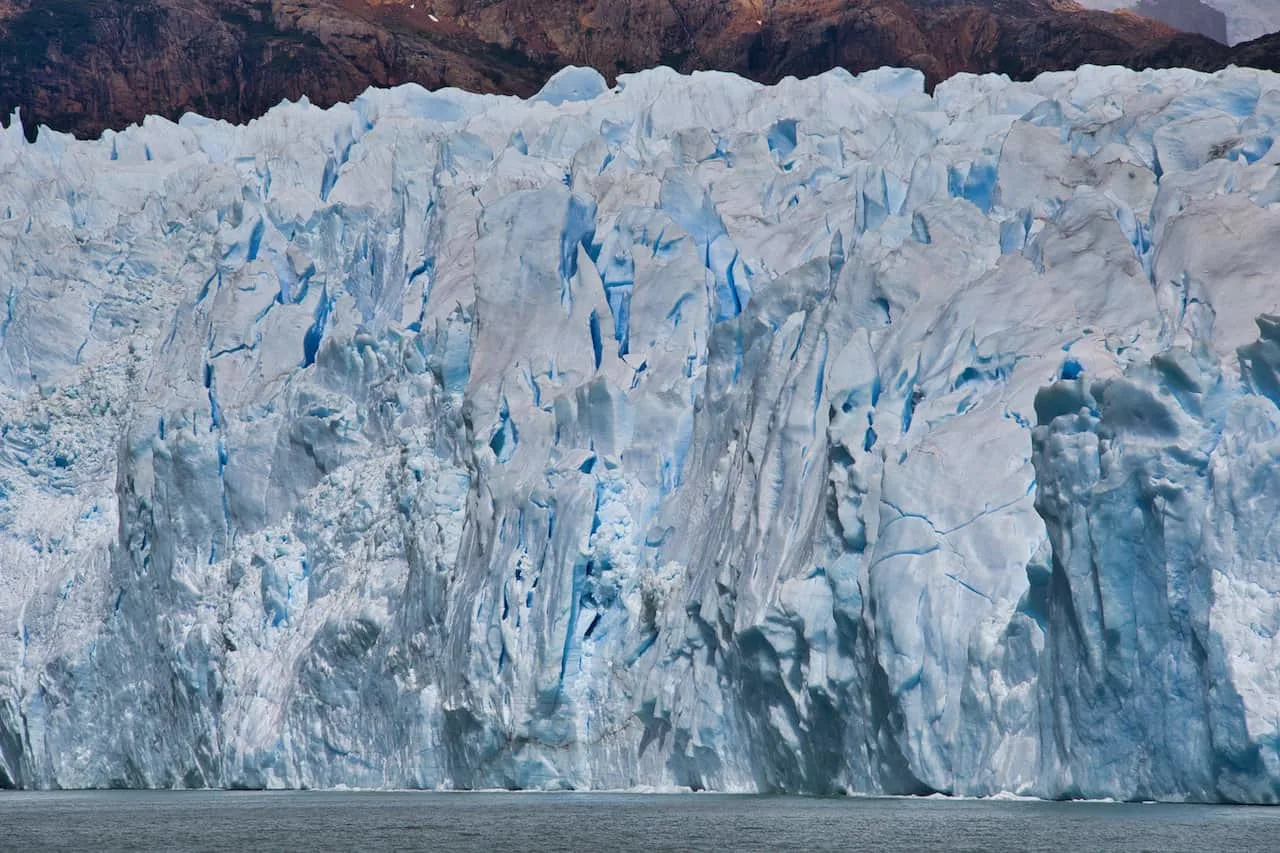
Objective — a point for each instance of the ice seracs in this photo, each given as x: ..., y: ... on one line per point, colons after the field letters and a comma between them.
x: 821, y: 437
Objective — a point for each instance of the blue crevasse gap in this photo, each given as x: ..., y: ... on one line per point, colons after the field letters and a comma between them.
x: 505, y: 437
x: 723, y: 261
x: 314, y: 334
x: 782, y: 138
x: 920, y: 230
x: 688, y: 204
x: 873, y: 203
x: 578, y: 230
x: 976, y: 183
x: 597, y: 343
x: 1013, y: 233
x: 215, y: 411
x: 455, y: 364
x: 255, y: 239
x: 620, y: 306
x: 616, y: 266
x: 581, y: 567
x: 909, y: 408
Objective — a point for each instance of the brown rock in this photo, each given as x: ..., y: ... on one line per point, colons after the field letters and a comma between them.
x: 86, y: 65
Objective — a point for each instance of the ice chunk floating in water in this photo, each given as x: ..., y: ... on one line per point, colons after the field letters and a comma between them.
x: 823, y: 437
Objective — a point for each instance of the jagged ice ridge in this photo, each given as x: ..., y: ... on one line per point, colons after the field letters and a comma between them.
x: 821, y: 437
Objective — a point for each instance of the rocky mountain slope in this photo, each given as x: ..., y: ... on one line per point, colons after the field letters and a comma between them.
x: 86, y: 65
x: 1259, y: 53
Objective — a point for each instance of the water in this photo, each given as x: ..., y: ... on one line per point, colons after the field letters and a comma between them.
x: 602, y: 823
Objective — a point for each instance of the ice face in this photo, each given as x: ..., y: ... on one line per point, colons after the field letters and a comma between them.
x: 822, y: 437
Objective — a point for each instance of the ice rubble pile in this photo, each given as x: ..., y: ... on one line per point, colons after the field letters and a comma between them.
x: 822, y: 437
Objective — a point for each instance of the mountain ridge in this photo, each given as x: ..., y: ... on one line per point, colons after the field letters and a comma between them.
x: 84, y: 67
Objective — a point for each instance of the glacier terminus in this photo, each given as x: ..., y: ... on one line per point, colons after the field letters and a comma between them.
x: 825, y: 437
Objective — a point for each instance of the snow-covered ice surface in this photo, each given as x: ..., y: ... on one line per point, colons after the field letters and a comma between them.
x: 821, y: 437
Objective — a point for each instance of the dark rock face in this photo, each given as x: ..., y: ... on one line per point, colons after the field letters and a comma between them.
x: 1259, y: 53
x: 86, y: 65
x: 1191, y: 16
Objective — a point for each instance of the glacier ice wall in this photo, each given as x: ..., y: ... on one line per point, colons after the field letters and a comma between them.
x: 822, y: 437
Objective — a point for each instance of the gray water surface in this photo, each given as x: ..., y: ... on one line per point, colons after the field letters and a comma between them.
x: 601, y: 823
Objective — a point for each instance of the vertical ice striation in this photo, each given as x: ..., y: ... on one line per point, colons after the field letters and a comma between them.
x: 826, y: 437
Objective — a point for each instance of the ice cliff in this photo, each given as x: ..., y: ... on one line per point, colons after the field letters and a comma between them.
x: 822, y: 437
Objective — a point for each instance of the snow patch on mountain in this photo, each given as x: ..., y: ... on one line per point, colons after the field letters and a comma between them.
x: 1246, y: 19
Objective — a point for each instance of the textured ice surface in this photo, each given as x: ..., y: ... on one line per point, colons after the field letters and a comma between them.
x: 821, y: 437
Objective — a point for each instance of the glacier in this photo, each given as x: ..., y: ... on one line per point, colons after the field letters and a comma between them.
x: 829, y: 437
